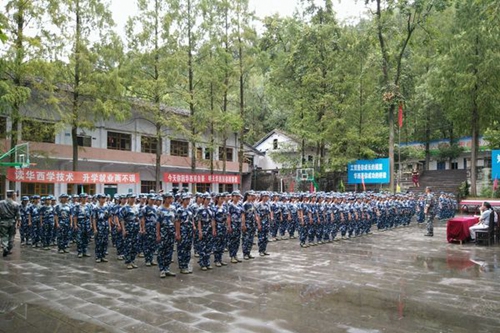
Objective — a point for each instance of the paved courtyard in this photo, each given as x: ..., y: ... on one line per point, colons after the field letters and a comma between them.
x: 393, y: 281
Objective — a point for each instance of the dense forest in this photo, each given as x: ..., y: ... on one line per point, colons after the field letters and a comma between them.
x: 336, y: 86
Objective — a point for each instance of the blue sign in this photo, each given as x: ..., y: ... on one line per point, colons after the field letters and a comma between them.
x: 495, y: 164
x: 369, y: 171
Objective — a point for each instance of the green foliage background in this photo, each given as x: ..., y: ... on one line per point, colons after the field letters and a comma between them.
x: 332, y: 85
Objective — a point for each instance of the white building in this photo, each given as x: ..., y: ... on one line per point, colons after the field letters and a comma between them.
x: 282, y: 151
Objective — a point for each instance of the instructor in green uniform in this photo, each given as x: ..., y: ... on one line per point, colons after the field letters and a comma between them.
x: 9, y: 216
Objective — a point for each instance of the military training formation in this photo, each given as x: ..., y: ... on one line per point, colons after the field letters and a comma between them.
x: 155, y: 225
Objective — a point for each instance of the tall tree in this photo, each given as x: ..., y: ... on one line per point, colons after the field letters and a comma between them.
x: 90, y: 54
x: 20, y: 61
x: 393, y: 45
x: 189, y: 36
x: 151, y: 68
x: 245, y: 44
x: 469, y: 74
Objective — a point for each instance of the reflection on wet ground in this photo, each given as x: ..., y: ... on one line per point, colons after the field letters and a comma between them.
x: 393, y: 281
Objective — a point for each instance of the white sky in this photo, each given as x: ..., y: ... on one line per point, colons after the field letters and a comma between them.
x: 345, y: 9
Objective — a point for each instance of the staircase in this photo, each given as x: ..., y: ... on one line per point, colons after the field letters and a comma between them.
x: 441, y: 181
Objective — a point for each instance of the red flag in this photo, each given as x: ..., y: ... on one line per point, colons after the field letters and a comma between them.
x: 400, y: 115
x: 363, y: 183
x: 495, y: 184
x: 292, y: 186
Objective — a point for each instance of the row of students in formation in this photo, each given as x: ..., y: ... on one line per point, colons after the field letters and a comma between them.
x: 209, y: 224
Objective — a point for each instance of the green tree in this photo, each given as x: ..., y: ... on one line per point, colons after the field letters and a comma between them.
x: 189, y: 35
x: 394, y: 38
x: 151, y: 68
x: 20, y: 62
x: 468, y: 72
x: 88, y: 72
x: 216, y: 73
x: 245, y: 50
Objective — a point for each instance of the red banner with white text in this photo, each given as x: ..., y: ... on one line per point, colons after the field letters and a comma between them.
x: 77, y: 177
x: 193, y: 178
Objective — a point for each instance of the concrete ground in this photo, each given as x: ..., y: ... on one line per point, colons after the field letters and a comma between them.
x: 393, y: 281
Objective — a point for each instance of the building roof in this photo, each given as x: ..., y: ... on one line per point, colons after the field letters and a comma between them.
x: 248, y: 148
x: 279, y: 132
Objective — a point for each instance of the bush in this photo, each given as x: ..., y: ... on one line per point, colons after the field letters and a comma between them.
x: 486, y: 192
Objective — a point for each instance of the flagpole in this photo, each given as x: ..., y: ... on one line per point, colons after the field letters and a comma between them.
x: 400, y: 123
x: 399, y: 156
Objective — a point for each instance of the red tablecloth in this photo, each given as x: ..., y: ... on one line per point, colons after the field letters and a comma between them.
x: 457, y: 228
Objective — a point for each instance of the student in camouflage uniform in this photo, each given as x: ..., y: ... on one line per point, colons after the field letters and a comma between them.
x: 184, y: 226
x: 117, y: 227
x: 101, y: 222
x: 130, y: 225
x: 206, y: 229
x: 234, y: 226
x: 265, y: 216
x: 220, y: 217
x: 148, y: 227
x: 62, y: 219
x: 23, y: 225
x: 248, y: 224
x: 47, y: 222
x: 82, y: 213
x: 34, y: 221
x: 165, y: 235
x: 277, y: 223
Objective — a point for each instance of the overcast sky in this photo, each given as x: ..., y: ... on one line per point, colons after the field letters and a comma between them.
x: 345, y: 9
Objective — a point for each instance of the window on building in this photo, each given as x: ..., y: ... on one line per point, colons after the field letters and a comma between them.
x: 208, y: 154
x: 84, y: 141
x: 275, y: 144
x: 179, y: 148
x: 38, y: 131
x: 229, y: 154
x: 90, y: 189
x: 119, y: 141
x: 3, y: 126
x: 181, y: 187
x: 148, y: 186
x: 149, y: 144
x: 42, y: 189
x: 202, y: 187
x: 199, y: 153
x: 228, y: 188
x: 110, y: 189
x: 454, y: 165
x: 310, y: 158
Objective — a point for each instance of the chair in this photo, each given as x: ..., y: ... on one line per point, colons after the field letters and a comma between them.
x: 497, y: 229
x: 497, y: 232
x: 487, y: 236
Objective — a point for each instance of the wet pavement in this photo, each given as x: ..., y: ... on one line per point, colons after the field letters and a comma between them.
x: 392, y: 281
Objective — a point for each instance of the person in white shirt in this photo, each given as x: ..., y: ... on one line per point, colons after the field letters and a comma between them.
x: 484, y: 220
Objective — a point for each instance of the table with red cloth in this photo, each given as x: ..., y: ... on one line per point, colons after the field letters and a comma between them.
x: 457, y: 228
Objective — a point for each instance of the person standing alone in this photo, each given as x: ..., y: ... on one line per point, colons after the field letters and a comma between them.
x: 9, y: 216
x: 430, y: 203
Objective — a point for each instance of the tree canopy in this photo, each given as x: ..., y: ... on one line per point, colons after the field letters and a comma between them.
x: 335, y: 86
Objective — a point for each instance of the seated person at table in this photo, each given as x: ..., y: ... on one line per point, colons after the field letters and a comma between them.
x: 484, y: 220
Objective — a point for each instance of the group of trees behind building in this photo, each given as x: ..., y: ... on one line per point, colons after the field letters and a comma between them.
x: 335, y: 85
